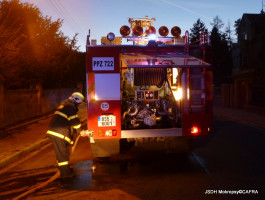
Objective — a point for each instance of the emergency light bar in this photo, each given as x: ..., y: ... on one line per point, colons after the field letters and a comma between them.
x: 138, y: 31
x: 143, y: 31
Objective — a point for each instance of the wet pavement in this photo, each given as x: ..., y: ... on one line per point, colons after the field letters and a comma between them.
x: 232, y: 157
x: 151, y: 176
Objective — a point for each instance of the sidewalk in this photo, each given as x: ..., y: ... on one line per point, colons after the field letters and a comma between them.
x: 242, y: 116
x: 19, y: 142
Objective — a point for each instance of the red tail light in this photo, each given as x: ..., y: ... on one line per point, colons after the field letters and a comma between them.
x: 195, y: 130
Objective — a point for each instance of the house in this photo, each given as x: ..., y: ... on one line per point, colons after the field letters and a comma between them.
x: 249, y: 63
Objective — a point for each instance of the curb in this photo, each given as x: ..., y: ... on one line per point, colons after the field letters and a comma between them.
x: 27, y: 150
x: 24, y: 152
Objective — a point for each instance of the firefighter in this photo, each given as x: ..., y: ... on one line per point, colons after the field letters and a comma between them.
x: 63, y: 123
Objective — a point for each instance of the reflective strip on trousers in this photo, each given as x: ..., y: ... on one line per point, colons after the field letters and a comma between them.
x: 60, y: 136
x: 62, y: 163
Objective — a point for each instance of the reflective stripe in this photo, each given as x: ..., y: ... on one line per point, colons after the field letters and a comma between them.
x: 62, y: 114
x: 77, y: 126
x: 60, y: 107
x: 65, y: 116
x: 73, y: 117
x: 60, y: 136
x: 63, y: 163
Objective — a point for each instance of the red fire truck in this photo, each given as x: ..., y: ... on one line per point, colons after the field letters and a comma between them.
x: 151, y: 87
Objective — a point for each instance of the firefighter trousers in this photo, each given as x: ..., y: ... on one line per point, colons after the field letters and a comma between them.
x: 62, y: 155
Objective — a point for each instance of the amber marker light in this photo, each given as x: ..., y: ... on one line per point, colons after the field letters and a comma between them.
x: 176, y: 31
x: 125, y: 31
x: 150, y: 30
x: 138, y: 31
x: 163, y: 31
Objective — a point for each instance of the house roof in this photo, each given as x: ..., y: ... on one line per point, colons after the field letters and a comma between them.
x: 257, y: 20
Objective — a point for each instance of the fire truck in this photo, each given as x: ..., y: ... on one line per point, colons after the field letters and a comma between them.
x: 150, y: 88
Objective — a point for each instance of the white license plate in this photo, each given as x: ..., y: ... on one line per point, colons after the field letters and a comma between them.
x: 106, y: 120
x: 103, y: 63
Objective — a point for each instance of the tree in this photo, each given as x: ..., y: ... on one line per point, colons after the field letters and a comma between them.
x: 222, y: 59
x: 236, y: 25
x: 33, y: 49
x: 218, y: 23
x: 198, y: 27
x: 228, y: 35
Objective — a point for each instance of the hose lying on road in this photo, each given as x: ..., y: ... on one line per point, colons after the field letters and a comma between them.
x: 54, y: 177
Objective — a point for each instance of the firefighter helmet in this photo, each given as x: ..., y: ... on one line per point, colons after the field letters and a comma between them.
x: 77, y: 97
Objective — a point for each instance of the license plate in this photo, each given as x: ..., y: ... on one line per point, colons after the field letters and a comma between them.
x: 106, y: 120
x: 103, y: 63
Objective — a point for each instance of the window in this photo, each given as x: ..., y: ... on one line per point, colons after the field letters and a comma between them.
x: 107, y: 86
x: 244, y: 36
x: 244, y: 61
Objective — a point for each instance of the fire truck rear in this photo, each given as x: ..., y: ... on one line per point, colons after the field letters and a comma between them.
x: 151, y: 88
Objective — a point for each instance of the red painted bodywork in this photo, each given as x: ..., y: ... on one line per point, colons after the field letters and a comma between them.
x: 203, y: 120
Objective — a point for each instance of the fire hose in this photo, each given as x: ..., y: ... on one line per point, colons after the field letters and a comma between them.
x: 57, y: 174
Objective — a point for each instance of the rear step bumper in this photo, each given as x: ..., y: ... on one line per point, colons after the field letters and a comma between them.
x: 140, y: 133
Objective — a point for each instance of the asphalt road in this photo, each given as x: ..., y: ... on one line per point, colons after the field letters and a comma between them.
x: 230, y: 160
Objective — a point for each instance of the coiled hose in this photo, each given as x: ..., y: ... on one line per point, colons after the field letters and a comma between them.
x: 150, y: 76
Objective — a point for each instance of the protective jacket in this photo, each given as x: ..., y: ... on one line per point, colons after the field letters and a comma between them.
x: 64, y: 120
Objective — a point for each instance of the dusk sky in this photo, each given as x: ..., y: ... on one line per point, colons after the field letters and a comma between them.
x: 104, y: 16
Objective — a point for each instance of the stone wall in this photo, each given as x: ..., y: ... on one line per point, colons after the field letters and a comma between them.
x: 20, y: 105
x: 51, y: 99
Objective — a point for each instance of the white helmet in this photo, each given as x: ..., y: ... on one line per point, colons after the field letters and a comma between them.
x: 77, y: 97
